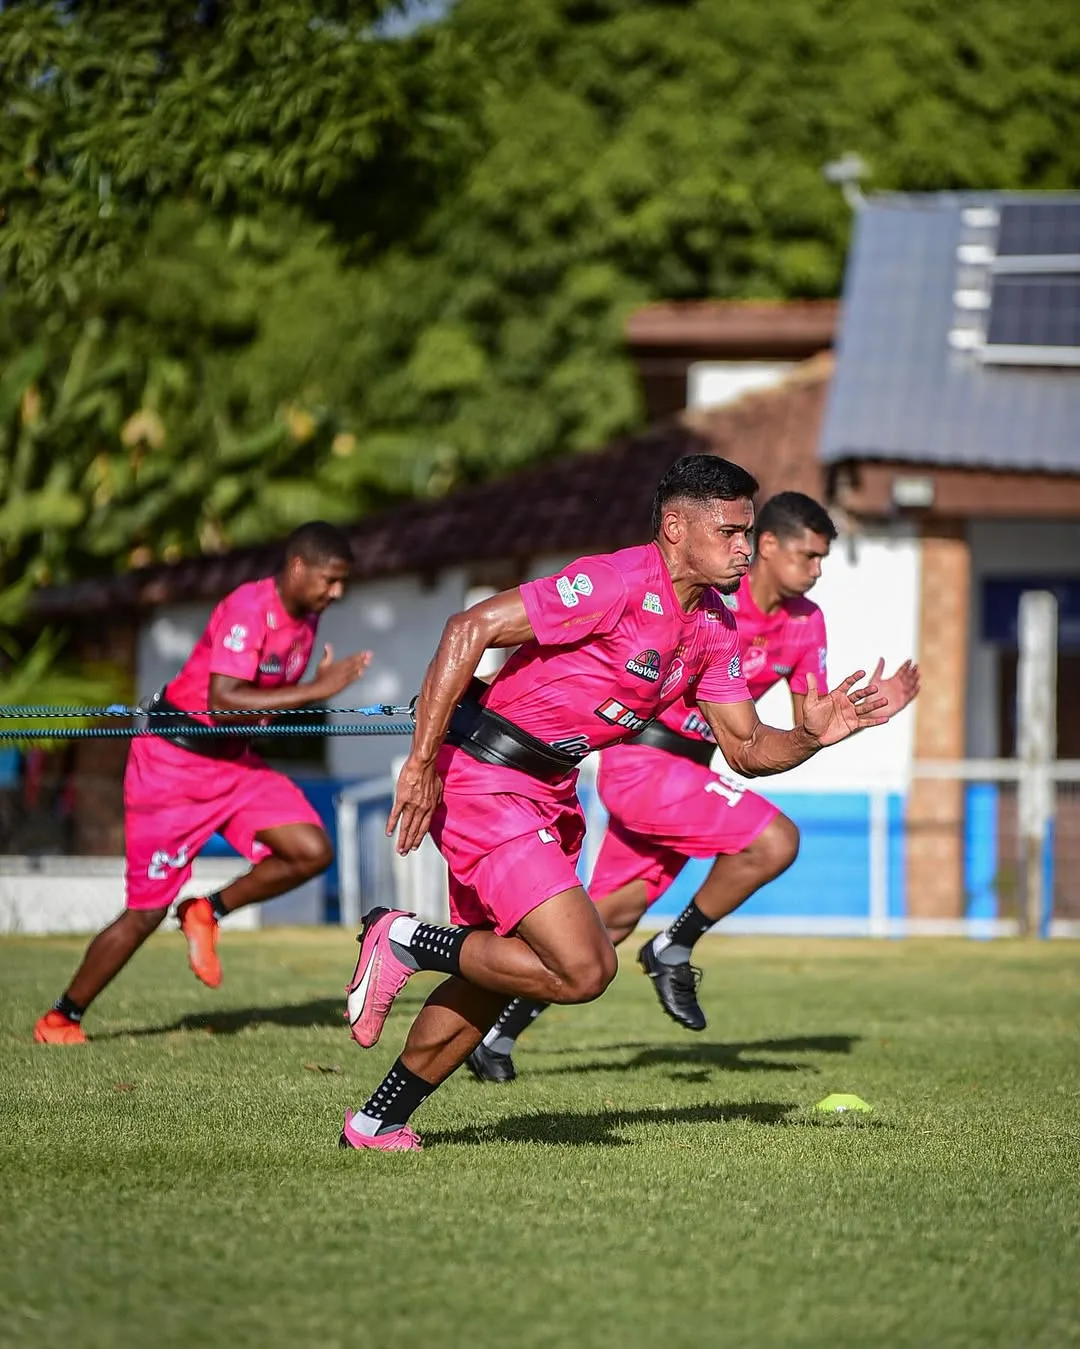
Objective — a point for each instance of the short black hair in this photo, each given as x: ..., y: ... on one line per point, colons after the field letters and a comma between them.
x: 701, y: 477
x: 318, y: 541
x: 788, y: 514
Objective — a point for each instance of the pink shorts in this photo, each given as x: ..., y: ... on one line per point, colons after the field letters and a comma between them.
x: 662, y: 810
x: 175, y: 800
x: 506, y: 852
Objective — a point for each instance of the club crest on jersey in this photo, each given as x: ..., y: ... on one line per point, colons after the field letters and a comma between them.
x: 651, y: 603
x: 646, y: 665
x: 620, y: 715
x: 674, y: 675
x: 570, y: 590
x: 295, y: 662
x: 235, y: 638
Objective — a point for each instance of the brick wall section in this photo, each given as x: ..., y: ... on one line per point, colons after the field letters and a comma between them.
x: 935, y: 811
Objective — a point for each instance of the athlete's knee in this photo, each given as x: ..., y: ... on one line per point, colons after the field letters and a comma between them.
x: 777, y: 846
x: 145, y: 921
x: 308, y: 849
x: 585, y: 977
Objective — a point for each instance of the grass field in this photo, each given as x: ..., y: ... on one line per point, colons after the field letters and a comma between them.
x: 177, y: 1181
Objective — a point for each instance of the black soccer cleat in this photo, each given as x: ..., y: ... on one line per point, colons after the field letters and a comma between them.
x: 487, y: 1066
x: 676, y: 987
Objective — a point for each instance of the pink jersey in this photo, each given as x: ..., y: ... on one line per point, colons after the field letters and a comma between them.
x: 613, y: 647
x: 788, y: 644
x: 250, y: 637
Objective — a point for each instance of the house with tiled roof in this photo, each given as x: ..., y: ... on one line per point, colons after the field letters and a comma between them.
x: 937, y: 412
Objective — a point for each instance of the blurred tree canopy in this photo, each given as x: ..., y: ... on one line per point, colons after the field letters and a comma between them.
x: 261, y: 262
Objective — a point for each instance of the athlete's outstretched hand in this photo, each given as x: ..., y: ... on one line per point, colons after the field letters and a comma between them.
x: 832, y: 717
x: 331, y: 676
x: 899, y: 689
x: 419, y: 791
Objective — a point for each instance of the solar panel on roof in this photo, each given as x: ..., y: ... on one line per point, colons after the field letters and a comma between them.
x: 1035, y: 311
x: 1039, y: 229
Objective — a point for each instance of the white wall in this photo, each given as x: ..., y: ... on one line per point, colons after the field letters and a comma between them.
x: 869, y: 593
x: 711, y: 383
x: 400, y: 620
x: 1007, y: 548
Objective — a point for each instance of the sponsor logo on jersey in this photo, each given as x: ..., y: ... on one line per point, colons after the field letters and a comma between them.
x: 646, y: 665
x: 235, y: 638
x: 270, y: 666
x: 695, y: 724
x: 651, y: 603
x: 576, y: 745
x: 821, y: 654
x: 783, y: 669
x: 620, y: 715
x: 734, y: 668
x: 713, y: 616
x: 570, y: 590
x: 674, y: 675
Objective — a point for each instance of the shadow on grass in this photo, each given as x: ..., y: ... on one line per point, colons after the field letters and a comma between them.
x: 317, y: 1012
x: 736, y: 1057
x: 601, y: 1128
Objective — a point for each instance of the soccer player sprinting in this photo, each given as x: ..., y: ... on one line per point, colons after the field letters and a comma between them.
x: 666, y: 805
x: 492, y: 773
x: 179, y: 789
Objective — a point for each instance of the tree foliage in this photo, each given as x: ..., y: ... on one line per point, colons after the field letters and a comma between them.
x: 262, y: 263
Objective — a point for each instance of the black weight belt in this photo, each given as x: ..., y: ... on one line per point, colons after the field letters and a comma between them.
x: 489, y: 738
x: 170, y: 723
x: 658, y: 736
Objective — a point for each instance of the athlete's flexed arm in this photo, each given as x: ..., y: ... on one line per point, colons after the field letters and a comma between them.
x: 899, y: 689
x: 756, y: 750
x: 497, y: 622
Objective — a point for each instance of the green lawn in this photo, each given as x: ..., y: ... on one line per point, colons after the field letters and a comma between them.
x: 178, y: 1181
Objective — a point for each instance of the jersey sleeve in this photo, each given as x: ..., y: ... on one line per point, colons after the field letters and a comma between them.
x: 238, y: 631
x: 812, y: 656
x: 722, y: 680
x: 588, y: 597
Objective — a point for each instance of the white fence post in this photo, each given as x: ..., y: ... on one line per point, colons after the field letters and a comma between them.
x: 1036, y: 721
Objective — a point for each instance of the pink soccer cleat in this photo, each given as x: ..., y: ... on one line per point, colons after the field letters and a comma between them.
x: 377, y: 980
x: 397, y: 1140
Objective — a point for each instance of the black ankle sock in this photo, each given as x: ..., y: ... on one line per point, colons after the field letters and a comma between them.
x: 66, y: 1007
x: 689, y: 926
x: 218, y: 907
x: 396, y: 1097
x: 431, y: 946
x: 516, y: 1017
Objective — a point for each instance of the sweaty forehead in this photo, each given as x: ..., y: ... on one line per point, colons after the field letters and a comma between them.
x: 737, y: 514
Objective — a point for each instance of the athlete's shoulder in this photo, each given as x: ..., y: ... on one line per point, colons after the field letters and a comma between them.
x: 801, y: 610
x: 250, y: 595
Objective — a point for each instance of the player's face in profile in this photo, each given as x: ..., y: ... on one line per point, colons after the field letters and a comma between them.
x: 318, y: 584
x: 720, y: 541
x: 794, y: 564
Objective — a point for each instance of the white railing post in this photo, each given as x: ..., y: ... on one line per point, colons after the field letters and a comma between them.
x: 1036, y: 723
x: 879, y: 862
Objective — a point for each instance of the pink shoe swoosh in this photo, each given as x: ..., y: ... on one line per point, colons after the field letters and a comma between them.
x: 397, y: 1140
x: 377, y: 980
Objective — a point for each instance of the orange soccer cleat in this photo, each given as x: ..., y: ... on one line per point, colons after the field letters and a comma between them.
x: 55, y: 1028
x: 200, y: 927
